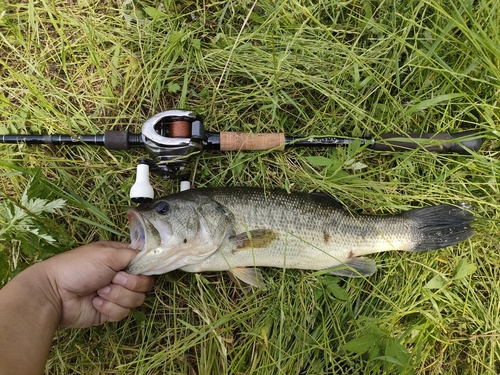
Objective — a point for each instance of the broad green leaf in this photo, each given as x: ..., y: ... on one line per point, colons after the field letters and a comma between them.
x: 361, y: 344
x: 463, y: 269
x: 397, y: 351
x: 196, y: 43
x: 389, y: 359
x: 336, y: 166
x: 437, y: 282
x: 38, y: 205
x: 173, y: 87
x: 338, y: 292
x: 154, y: 13
x: 139, y: 316
x: 339, y: 174
x: 320, y: 161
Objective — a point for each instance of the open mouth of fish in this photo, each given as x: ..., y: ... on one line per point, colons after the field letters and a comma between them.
x: 146, y: 239
x: 158, y: 251
x: 137, y: 231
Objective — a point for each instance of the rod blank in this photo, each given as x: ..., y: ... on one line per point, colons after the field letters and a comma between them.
x: 111, y: 139
x: 460, y: 143
x: 56, y: 139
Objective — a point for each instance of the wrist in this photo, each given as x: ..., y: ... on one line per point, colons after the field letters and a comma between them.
x: 37, y: 282
x: 30, y: 314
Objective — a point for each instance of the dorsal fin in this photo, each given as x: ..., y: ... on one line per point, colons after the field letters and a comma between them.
x: 325, y: 198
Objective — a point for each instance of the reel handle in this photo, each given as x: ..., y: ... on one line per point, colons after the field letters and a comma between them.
x: 141, y: 190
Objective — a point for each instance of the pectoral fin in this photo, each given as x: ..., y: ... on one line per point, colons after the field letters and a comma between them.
x: 250, y: 275
x: 356, y: 267
x: 254, y: 239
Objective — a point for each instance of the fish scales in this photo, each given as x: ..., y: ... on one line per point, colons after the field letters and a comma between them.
x: 240, y: 229
x: 314, y: 231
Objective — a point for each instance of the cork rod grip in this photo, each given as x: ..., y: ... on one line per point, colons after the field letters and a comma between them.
x: 235, y: 141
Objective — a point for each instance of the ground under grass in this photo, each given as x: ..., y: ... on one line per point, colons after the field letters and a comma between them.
x: 353, y: 68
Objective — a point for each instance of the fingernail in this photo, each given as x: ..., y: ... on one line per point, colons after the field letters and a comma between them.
x: 120, y: 279
x: 97, y: 301
x: 105, y: 290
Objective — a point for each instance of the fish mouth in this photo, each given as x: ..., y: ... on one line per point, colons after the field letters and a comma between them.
x: 155, y: 255
x: 160, y: 250
x: 144, y: 238
x: 137, y: 230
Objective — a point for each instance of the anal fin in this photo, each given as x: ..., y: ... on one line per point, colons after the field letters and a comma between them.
x: 249, y: 275
x: 355, y: 267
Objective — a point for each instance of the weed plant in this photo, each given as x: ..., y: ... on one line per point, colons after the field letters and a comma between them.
x: 307, y: 68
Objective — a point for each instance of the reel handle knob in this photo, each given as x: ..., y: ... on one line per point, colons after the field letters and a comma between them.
x: 185, y: 185
x: 142, y: 191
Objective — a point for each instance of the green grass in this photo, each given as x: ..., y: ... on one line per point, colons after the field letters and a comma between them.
x: 353, y: 68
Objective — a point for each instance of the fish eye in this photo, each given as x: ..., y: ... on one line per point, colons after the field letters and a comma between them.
x: 162, y: 207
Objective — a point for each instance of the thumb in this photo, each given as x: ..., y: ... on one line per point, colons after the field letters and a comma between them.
x: 118, y: 254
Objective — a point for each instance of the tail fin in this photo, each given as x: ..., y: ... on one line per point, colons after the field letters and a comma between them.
x: 440, y: 226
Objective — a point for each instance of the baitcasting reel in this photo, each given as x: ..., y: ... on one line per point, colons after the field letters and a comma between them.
x: 170, y: 138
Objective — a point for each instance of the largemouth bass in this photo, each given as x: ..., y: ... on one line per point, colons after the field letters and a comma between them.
x: 240, y: 229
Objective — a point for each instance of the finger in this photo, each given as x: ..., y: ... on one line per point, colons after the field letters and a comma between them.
x: 121, y: 296
x: 117, y: 245
x: 136, y: 283
x: 110, y: 312
x: 116, y: 256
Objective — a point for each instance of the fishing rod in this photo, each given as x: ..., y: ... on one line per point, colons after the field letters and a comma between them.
x: 172, y: 137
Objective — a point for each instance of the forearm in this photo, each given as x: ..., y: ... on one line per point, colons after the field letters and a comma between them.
x: 30, y: 312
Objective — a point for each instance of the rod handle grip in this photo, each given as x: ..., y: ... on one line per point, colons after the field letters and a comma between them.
x: 121, y: 140
x: 235, y: 141
x: 461, y: 143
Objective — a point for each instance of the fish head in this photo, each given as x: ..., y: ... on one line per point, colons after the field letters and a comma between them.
x: 175, y: 232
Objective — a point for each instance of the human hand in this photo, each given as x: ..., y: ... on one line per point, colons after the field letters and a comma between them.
x: 90, y: 286
x: 79, y: 288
